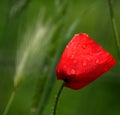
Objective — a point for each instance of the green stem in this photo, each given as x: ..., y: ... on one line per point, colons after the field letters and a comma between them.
x: 9, y: 103
x: 57, y: 99
x: 114, y: 26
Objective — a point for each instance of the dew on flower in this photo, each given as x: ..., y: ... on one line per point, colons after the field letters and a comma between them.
x: 67, y: 46
x: 84, y: 69
x: 74, y: 52
x: 74, y: 47
x: 74, y: 61
x: 64, y: 66
x: 97, y: 61
x: 82, y: 51
x: 88, y: 58
x: 72, y: 71
x: 106, y: 67
x: 72, y: 57
x: 90, y: 53
x: 84, y: 63
x: 84, y: 46
x: 58, y: 70
x: 72, y: 44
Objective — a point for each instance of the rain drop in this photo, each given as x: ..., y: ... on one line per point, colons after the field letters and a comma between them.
x: 72, y: 57
x: 97, y: 61
x: 67, y: 46
x: 74, y: 52
x: 90, y: 53
x: 84, y: 46
x: 84, y: 69
x: 74, y: 47
x: 72, y: 71
x: 74, y: 61
x: 64, y: 66
x: 84, y: 63
x: 106, y: 67
x: 72, y: 44
x: 58, y: 71
x: 88, y: 58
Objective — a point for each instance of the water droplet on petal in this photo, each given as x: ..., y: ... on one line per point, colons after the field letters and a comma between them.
x: 88, y: 58
x: 74, y: 47
x: 90, y: 53
x: 84, y: 63
x: 64, y: 66
x: 106, y: 67
x: 97, y: 61
x: 72, y: 56
x: 72, y: 44
x: 83, y: 46
x: 74, y: 61
x: 79, y: 45
x: 74, y: 52
x: 72, y: 71
x: 67, y: 46
x: 84, y: 69
x: 58, y: 70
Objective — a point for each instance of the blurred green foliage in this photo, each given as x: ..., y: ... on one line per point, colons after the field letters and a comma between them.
x: 22, y: 23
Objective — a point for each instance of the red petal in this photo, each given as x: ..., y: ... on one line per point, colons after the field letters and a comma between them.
x: 82, y: 61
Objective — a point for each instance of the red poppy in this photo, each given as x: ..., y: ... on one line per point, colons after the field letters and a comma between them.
x: 83, y: 61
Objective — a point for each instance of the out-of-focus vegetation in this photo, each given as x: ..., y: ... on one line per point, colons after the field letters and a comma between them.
x: 33, y: 34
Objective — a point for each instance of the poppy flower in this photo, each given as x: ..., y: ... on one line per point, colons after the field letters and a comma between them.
x: 83, y: 61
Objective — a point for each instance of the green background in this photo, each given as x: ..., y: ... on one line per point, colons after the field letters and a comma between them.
x: 20, y: 21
